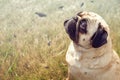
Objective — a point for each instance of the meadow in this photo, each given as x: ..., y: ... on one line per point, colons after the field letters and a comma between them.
x: 33, y: 42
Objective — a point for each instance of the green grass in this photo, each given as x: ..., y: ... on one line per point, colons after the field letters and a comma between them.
x: 33, y: 47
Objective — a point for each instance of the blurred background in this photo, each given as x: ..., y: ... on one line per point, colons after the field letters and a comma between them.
x: 33, y: 42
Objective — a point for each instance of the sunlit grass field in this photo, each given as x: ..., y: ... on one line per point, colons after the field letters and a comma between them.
x: 33, y: 47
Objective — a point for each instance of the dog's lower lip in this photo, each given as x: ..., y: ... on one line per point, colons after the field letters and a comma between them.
x: 83, y: 46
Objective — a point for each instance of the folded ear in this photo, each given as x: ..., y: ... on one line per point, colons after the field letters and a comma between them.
x: 99, y: 38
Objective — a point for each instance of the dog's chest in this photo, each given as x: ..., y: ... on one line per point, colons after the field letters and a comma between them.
x: 78, y: 68
x: 73, y: 59
x: 75, y: 66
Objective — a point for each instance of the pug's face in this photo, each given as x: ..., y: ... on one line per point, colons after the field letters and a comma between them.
x: 87, y: 29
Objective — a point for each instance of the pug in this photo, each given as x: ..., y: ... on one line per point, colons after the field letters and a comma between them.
x: 90, y: 55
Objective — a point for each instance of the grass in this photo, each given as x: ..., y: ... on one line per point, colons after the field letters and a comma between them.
x: 33, y: 47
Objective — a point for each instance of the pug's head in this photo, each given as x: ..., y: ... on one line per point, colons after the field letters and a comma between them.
x: 87, y: 29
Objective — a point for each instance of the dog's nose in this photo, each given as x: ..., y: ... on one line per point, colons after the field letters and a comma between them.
x: 73, y: 18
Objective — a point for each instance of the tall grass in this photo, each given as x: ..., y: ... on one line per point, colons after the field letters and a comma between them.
x: 33, y: 47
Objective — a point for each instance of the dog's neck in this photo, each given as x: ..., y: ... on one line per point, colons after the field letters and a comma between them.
x: 94, y: 52
x: 95, y: 55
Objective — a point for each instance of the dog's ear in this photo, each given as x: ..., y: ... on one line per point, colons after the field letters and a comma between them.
x: 99, y: 38
x: 70, y: 27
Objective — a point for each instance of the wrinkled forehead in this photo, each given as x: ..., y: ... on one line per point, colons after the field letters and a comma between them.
x: 92, y: 16
x: 89, y: 15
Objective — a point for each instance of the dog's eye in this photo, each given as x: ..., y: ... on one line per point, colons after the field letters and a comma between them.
x: 83, y: 26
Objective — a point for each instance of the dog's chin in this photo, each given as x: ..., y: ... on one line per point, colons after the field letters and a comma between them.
x: 82, y: 46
